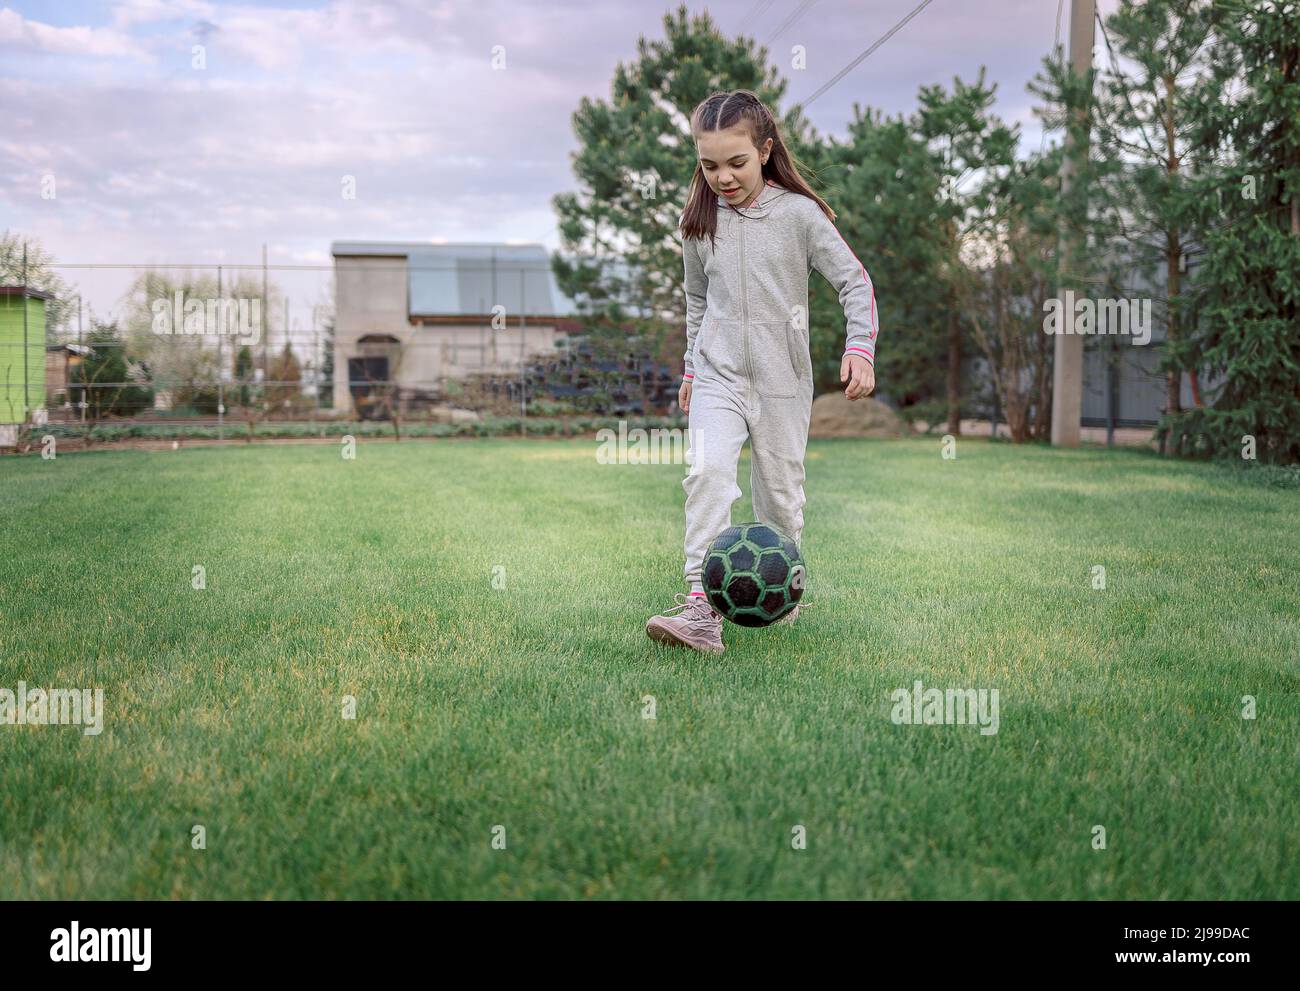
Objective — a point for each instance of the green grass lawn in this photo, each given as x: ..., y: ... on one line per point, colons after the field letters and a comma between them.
x: 521, y: 707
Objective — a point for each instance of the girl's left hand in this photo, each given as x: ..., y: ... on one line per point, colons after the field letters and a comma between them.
x: 857, y: 371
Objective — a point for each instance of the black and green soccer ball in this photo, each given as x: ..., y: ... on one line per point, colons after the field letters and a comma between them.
x: 753, y: 574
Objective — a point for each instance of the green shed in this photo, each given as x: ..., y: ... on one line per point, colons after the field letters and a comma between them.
x: 22, y: 352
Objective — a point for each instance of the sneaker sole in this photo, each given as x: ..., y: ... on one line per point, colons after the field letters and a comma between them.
x: 665, y: 635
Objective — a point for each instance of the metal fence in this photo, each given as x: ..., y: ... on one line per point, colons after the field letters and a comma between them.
x: 285, y: 373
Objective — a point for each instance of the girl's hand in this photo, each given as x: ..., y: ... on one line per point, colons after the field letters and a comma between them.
x: 860, y: 375
x: 684, y: 397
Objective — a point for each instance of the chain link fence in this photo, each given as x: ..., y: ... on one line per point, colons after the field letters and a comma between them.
x: 217, y: 353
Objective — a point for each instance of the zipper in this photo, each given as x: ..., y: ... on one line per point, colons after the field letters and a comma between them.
x: 744, y: 311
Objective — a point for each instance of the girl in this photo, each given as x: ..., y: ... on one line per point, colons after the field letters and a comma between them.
x: 751, y: 231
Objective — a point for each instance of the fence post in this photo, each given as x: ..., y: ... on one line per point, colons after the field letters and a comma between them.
x: 26, y: 357
x: 221, y: 390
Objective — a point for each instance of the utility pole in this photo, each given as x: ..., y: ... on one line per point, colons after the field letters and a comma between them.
x: 1067, y: 366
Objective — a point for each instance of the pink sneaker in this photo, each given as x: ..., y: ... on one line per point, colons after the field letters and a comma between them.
x: 691, y: 623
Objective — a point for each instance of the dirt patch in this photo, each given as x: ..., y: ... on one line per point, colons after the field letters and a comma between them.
x: 835, y: 416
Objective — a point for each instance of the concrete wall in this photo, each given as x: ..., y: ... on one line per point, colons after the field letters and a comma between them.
x: 369, y: 298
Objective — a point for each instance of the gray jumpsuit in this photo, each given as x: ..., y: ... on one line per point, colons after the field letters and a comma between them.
x: 747, y: 357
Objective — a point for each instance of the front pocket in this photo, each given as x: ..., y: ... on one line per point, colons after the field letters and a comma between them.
x: 769, y: 357
x: 721, y: 346
x: 701, y: 336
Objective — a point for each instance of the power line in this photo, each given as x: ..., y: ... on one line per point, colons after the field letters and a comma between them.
x: 759, y: 10
x: 798, y: 13
x: 857, y: 61
x: 1056, y: 43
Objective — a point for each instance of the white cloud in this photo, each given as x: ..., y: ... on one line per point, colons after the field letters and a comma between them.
x: 157, y: 161
x: 18, y: 32
x: 274, y: 39
x: 128, y: 13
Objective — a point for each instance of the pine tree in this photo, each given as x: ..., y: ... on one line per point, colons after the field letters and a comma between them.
x: 621, y: 254
x: 1248, y: 328
x: 972, y: 150
x: 886, y: 188
x: 1159, y: 59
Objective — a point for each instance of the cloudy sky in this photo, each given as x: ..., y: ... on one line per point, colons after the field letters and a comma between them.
x: 155, y: 160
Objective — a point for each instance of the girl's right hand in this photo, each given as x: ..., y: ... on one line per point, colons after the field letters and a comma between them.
x: 684, y: 397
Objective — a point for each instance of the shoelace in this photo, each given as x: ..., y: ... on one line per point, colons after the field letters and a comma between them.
x: 685, y: 603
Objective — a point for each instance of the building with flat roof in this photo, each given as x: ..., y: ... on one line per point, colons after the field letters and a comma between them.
x: 409, y: 316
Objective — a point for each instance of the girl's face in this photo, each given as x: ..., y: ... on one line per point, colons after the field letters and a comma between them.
x: 731, y: 163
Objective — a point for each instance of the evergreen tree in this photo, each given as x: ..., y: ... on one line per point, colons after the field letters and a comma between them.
x: 1159, y: 61
x: 1248, y: 331
x: 621, y: 254
x: 109, y: 378
x: 885, y: 187
x: 244, y: 372
x: 972, y: 151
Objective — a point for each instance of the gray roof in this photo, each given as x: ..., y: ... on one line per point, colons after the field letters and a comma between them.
x: 470, y: 279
